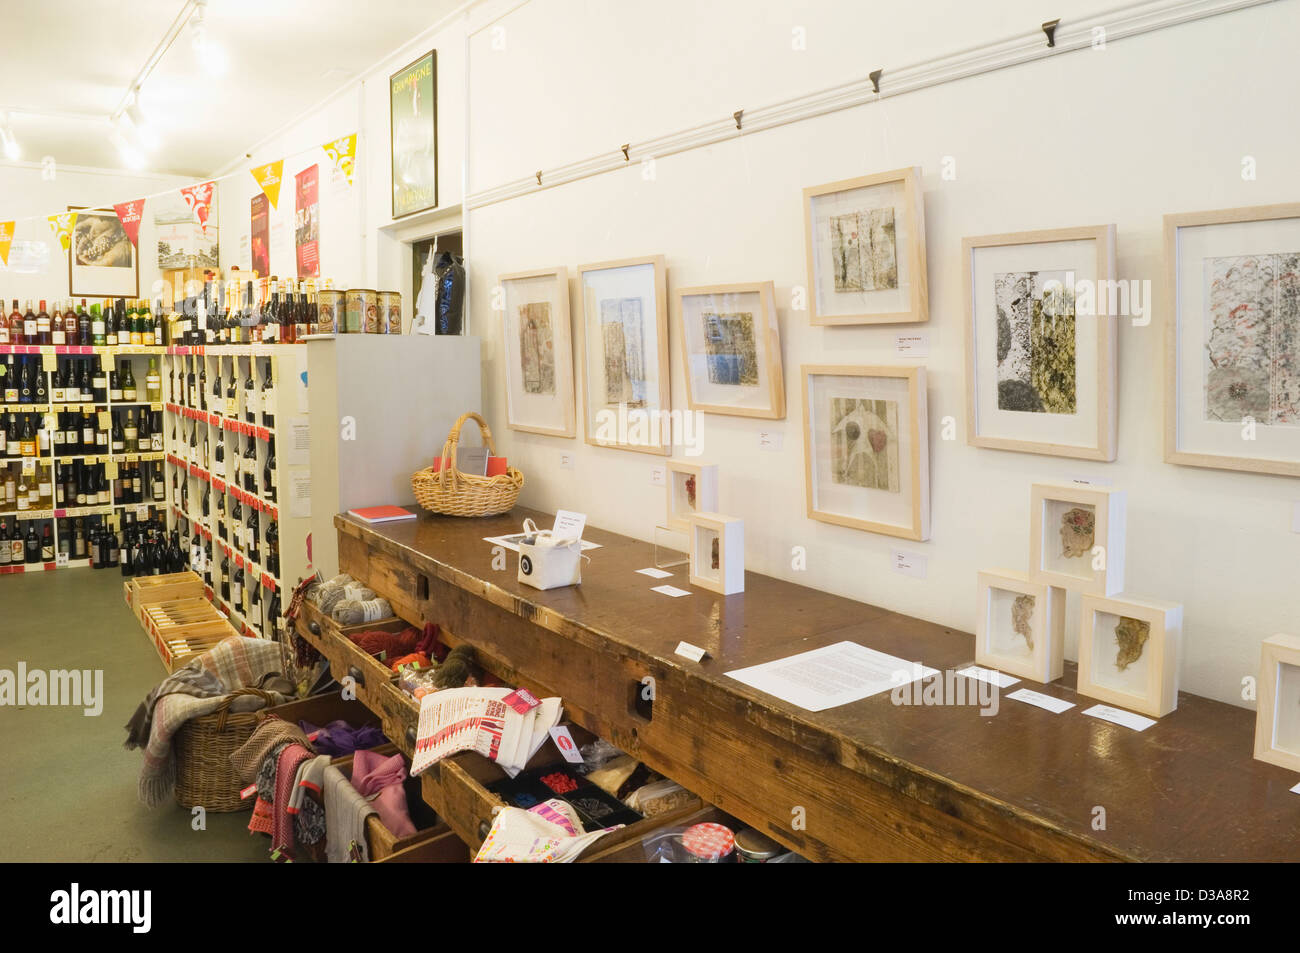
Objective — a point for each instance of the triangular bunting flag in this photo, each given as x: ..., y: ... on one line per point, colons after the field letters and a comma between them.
x: 62, y: 225
x: 129, y: 213
x: 342, y: 153
x: 6, y: 239
x: 199, y: 199
x: 268, y: 179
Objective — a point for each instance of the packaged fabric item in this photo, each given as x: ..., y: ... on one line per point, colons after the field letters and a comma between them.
x: 379, y: 779
x: 658, y: 797
x: 359, y: 611
x: 546, y: 833
x: 547, y: 561
x: 480, y: 719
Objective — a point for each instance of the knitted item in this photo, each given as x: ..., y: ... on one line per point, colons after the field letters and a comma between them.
x: 307, y: 808
x: 286, y: 773
x: 345, y: 819
x: 357, y: 611
x: 270, y: 734
x: 379, y: 780
x: 415, y: 660
x: 327, y: 594
x: 392, y: 644
x: 339, y: 738
x: 261, y: 821
x: 455, y: 669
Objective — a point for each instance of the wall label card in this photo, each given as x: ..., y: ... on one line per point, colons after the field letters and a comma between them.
x: 1054, y: 705
x: 912, y: 344
x: 909, y: 564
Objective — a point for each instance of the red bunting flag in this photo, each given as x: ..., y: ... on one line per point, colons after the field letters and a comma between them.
x: 199, y: 198
x: 129, y: 213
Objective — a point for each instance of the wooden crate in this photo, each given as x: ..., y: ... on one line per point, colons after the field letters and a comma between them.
x: 178, y: 647
x: 144, y: 591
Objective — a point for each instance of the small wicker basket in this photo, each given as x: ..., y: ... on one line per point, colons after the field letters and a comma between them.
x: 202, y: 748
x: 453, y: 493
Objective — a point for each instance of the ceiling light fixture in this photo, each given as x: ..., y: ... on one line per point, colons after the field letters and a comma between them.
x: 130, y: 153
x: 208, y: 54
x: 144, y: 131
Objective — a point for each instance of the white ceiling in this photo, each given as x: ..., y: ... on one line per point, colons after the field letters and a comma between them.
x: 71, y: 58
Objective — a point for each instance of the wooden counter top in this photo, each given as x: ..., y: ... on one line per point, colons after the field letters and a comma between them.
x: 869, y: 780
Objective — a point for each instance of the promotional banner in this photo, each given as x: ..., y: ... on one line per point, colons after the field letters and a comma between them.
x: 343, y: 153
x: 62, y: 225
x: 129, y: 213
x: 199, y: 198
x: 306, y: 234
x: 6, y: 239
x: 261, y: 250
x: 268, y: 180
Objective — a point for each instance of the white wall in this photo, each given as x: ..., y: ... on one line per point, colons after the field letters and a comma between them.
x: 1151, y: 125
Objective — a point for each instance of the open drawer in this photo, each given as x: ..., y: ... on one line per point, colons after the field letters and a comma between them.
x: 382, y: 842
x: 348, y: 660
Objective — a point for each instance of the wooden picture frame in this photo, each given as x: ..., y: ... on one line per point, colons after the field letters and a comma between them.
x: 724, y: 538
x: 98, y: 236
x: 845, y: 294
x: 413, y: 147
x: 1025, y: 641
x: 705, y: 488
x: 1153, y: 642
x: 732, y: 367
x: 1279, y: 686
x: 893, y: 478
x: 529, y: 379
x: 641, y: 367
x: 1059, y: 534
x: 1014, y: 400
x: 1225, y: 406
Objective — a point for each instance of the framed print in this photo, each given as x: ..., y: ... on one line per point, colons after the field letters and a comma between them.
x: 1076, y: 537
x: 717, y: 553
x: 1232, y: 339
x: 1040, y: 342
x: 866, y: 458
x: 625, y: 354
x: 539, y: 352
x: 865, y: 240
x: 731, y: 349
x: 692, y: 488
x: 413, y: 135
x: 1020, y: 626
x: 1128, y: 653
x: 1277, y: 713
x: 102, y: 262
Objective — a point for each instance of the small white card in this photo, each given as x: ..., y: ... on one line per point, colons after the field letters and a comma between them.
x: 909, y: 564
x: 568, y: 747
x: 912, y: 344
x: 1296, y: 789
x: 771, y: 440
x: 60, y: 559
x: 569, y: 525
x: 692, y: 652
x: 1054, y: 705
x: 1092, y: 481
x: 654, y: 573
x: 671, y: 591
x: 1000, y: 679
x: 1119, y: 716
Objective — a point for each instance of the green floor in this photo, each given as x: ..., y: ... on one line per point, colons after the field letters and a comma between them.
x: 69, y: 788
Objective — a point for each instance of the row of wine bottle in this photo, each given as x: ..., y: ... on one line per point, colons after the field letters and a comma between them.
x: 188, y: 386
x: 76, y: 382
x: 78, y: 433
x: 119, y: 322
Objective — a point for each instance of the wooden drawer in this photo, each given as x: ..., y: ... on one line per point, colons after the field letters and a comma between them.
x: 631, y: 850
x: 442, y: 848
x: 345, y: 657
x: 382, y: 842
x: 322, y: 709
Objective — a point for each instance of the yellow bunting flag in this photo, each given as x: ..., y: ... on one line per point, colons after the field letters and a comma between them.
x: 268, y: 179
x: 6, y: 239
x: 343, y: 153
x: 62, y: 225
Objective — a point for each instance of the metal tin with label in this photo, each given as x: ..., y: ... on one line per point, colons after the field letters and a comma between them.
x: 390, y: 312
x: 329, y: 311
x: 361, y: 311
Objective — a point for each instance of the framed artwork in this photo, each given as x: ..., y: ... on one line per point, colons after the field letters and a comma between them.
x: 413, y: 135
x: 692, y: 488
x: 1020, y: 626
x: 1040, y: 342
x: 539, y: 352
x: 102, y: 262
x: 1277, y: 714
x: 1128, y: 653
x: 1232, y: 339
x: 1076, y: 537
x: 866, y: 457
x: 717, y: 553
x: 865, y: 240
x: 731, y: 349
x: 626, y: 395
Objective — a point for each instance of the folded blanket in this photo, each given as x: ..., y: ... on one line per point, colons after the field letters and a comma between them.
x: 266, y: 738
x: 236, y: 662
x: 193, y: 679
x: 345, y: 819
x: 379, y: 780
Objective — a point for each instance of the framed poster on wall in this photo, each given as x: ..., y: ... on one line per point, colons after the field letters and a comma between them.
x: 1040, y: 342
x: 1232, y: 339
x: 413, y: 135
x: 539, y: 352
x: 102, y: 262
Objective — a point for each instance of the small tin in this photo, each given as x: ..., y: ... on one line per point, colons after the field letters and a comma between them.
x: 361, y: 309
x: 755, y: 848
x: 329, y: 311
x: 390, y: 310
x: 709, y: 844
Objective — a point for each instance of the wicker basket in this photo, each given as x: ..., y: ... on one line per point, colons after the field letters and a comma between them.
x: 202, y: 748
x: 453, y: 493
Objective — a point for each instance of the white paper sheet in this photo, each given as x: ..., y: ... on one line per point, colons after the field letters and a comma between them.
x: 1054, y: 705
x: 1000, y: 679
x: 1119, y: 716
x: 300, y: 494
x: 654, y: 573
x: 831, y: 676
x: 296, y: 451
x: 671, y: 591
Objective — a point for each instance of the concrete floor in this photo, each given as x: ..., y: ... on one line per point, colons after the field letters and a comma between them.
x: 69, y: 787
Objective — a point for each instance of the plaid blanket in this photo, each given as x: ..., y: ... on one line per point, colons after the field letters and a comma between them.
x: 238, y: 662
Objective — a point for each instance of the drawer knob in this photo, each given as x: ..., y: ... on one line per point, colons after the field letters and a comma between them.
x: 357, y: 675
x: 484, y: 829
x: 410, y: 737
x: 313, y: 628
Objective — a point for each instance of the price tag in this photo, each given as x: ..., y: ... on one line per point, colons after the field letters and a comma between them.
x: 155, y: 406
x: 142, y: 511
x: 49, y: 361
x: 522, y: 700
x: 110, y: 470
x: 568, y: 747
x: 248, y: 792
x: 61, y: 559
x: 104, y: 420
x: 29, y: 464
x: 106, y: 361
x: 115, y: 522
x: 688, y: 651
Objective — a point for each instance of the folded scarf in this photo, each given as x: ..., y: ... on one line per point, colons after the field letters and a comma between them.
x: 339, y: 738
x: 379, y: 779
x: 308, y: 811
x: 236, y: 662
x: 269, y: 735
x: 286, y: 773
x: 345, y: 819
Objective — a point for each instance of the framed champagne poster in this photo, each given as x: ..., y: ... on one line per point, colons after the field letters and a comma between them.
x: 413, y: 132
x: 625, y: 354
x: 102, y: 261
x: 866, y: 459
x: 1040, y: 342
x: 1232, y: 339
x: 731, y: 350
x: 865, y: 241
x: 539, y: 352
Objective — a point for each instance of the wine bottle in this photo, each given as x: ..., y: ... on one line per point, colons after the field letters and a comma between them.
x: 58, y: 332
x: 33, y: 543
x: 127, y: 378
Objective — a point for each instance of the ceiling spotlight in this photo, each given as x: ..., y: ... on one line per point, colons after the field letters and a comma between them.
x: 209, y: 55
x: 7, y: 139
x: 143, y: 129
x: 131, y: 155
